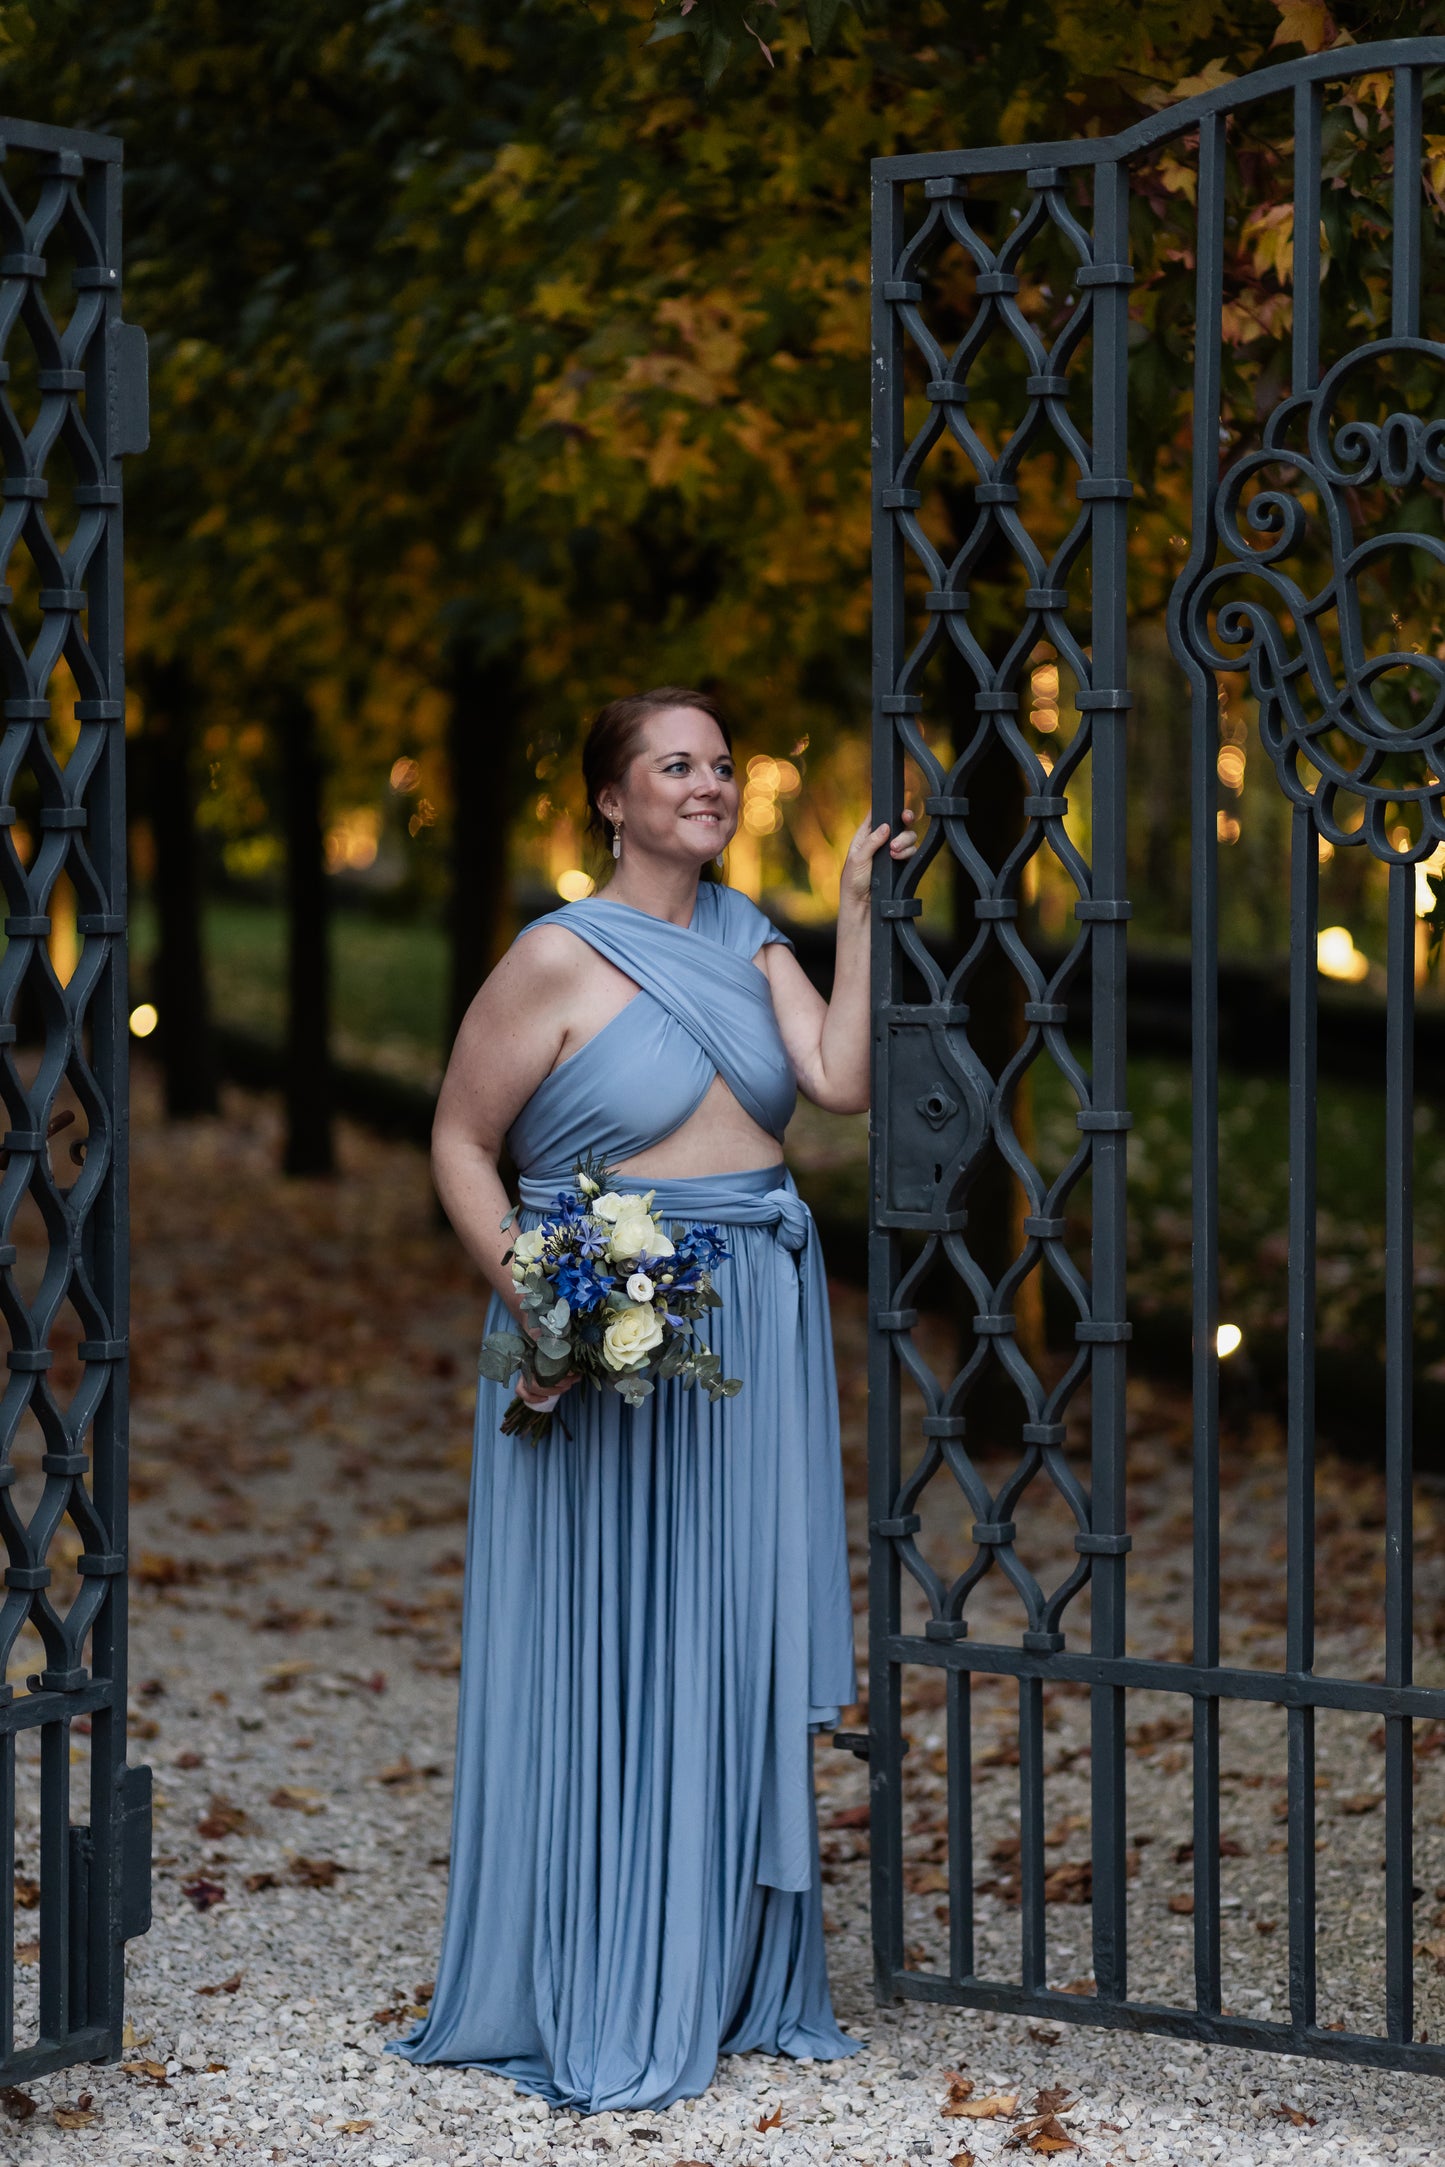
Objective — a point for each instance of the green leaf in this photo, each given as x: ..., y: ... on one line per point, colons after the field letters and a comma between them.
x: 667, y: 26
x: 822, y: 18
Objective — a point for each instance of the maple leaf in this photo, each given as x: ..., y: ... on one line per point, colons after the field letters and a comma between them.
x: 1306, y: 23
x: 770, y: 2121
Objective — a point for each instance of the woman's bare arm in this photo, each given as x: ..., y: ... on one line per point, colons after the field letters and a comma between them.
x: 828, y: 1042
x: 509, y: 1040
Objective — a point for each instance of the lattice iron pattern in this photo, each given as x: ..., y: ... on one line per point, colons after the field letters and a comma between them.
x: 1339, y: 750
x: 69, y: 397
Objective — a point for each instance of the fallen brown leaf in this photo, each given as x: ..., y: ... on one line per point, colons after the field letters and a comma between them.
x: 79, y: 2116
x: 27, y: 1893
x: 262, y: 1880
x: 353, y: 2129
x: 203, y: 1893
x: 1360, y: 1802
x: 998, y: 2106
x: 963, y: 2159
x: 316, y: 1873
x: 221, y: 1818
x: 1183, y: 1903
x: 222, y: 1986
x: 1054, y: 2101
x: 151, y: 2072
x: 297, y: 1798
x: 17, y: 2104
x: 1294, y: 2115
x: 1044, y: 2037
x: 27, y: 1952
x: 850, y: 1817
x: 1050, y: 2136
x: 770, y: 2121
x: 960, y: 2089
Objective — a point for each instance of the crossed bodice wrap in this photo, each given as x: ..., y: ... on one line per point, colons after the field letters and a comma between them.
x: 704, y: 1009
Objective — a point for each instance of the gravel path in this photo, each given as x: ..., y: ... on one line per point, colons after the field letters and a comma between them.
x: 302, y: 1396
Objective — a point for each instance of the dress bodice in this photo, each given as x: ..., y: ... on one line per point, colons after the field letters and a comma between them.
x: 703, y: 1009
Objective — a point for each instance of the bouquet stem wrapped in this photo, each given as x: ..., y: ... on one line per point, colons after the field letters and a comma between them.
x: 610, y: 1297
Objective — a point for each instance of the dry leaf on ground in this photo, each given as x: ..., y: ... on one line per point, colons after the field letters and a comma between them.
x: 959, y: 2090
x: 1045, y: 2134
x: 998, y: 2106
x: 296, y: 1798
x: 1294, y: 2115
x: 1054, y: 2101
x: 962, y: 2159
x: 222, y: 1986
x: 151, y: 2072
x: 78, y: 2115
x: 770, y: 2121
x: 203, y: 1893
x: 17, y: 2104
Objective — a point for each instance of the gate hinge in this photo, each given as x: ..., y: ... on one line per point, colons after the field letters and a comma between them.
x: 135, y: 1853
x: 130, y: 414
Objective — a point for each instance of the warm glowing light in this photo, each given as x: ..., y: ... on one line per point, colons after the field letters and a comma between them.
x: 574, y: 884
x: 1327, y: 850
x: 790, y: 782
x: 1339, y: 957
x: 1228, y: 1340
x: 1045, y: 718
x: 761, y: 816
x: 763, y: 774
x: 405, y: 775
x: 1424, y: 893
x: 353, y: 839
x: 1045, y: 682
x: 1230, y: 765
x: 1046, y: 762
x: 143, y: 1020
x: 1226, y: 827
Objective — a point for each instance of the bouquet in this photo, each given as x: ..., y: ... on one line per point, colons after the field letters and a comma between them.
x: 610, y: 1297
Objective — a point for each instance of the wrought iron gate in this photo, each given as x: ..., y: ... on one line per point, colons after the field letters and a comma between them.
x: 1356, y: 776
x: 74, y: 1820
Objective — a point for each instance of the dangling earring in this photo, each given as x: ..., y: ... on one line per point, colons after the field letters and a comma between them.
x: 617, y: 839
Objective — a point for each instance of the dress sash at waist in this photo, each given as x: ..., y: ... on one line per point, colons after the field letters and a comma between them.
x: 758, y: 1196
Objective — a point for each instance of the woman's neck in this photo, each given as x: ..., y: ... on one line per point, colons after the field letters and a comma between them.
x: 662, y: 891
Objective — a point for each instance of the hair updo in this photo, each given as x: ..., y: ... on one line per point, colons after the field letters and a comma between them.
x: 612, y: 742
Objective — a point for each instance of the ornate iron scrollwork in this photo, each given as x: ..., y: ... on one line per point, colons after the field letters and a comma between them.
x: 1334, y: 745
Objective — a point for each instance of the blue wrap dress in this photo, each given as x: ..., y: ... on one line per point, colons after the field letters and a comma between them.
x: 657, y: 1610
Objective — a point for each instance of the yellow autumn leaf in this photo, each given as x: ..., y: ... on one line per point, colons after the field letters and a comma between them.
x: 1304, y: 22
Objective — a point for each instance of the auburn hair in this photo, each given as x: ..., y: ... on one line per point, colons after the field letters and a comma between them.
x: 612, y: 741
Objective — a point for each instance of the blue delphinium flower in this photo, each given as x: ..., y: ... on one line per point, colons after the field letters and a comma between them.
x: 580, y: 1285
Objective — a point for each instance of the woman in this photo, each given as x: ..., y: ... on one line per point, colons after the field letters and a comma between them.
x: 657, y: 1608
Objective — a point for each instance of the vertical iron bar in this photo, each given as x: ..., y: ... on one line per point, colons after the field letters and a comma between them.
x: 959, y: 1719
x: 1308, y: 111
x: 108, y: 1228
x: 1300, y: 1447
x: 54, y: 1880
x: 7, y: 1895
x: 884, y: 1698
x: 1110, y: 535
x: 1204, y: 997
x: 1033, y: 1953
x: 1399, y: 1449
x: 1407, y: 191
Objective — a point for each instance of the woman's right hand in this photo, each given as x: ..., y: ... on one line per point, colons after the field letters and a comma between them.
x: 543, y: 1395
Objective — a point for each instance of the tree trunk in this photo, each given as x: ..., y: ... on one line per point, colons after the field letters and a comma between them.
x: 484, y: 732
x: 178, y: 982
x: 308, y: 1148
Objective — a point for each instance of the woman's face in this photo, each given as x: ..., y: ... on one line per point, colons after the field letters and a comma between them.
x: 679, y: 797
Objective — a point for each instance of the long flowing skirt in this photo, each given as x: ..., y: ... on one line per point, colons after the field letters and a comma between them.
x: 656, y: 1615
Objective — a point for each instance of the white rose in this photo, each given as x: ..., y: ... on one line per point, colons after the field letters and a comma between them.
x: 639, y: 1288
x: 636, y: 1234
x: 630, y: 1338
x: 527, y: 1249
x: 609, y: 1205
